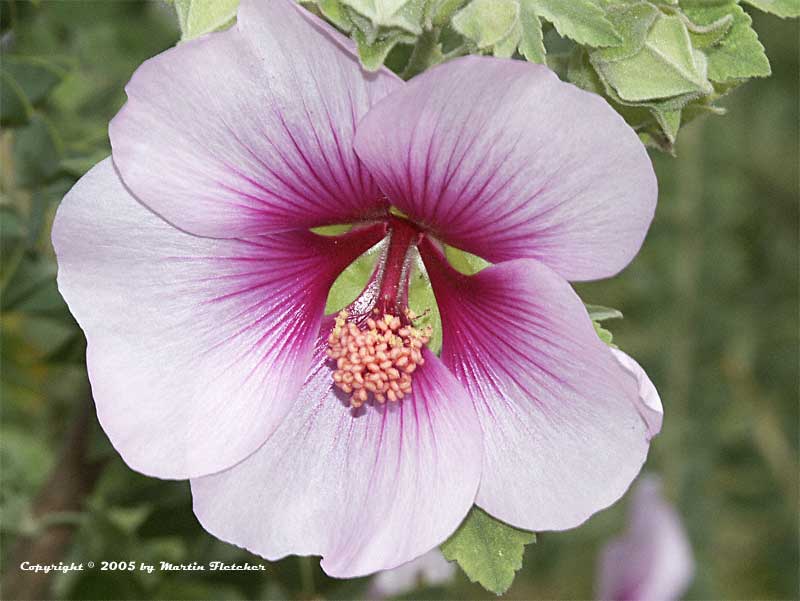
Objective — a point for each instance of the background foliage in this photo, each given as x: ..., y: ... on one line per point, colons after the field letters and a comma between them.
x: 710, y: 304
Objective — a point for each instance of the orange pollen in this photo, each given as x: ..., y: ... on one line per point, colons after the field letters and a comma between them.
x: 378, y: 358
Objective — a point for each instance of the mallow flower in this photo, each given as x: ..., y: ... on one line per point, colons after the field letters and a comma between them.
x: 652, y: 560
x: 189, y: 261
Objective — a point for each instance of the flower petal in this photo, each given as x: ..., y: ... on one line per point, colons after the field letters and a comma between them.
x: 368, y: 490
x: 196, y: 346
x: 649, y: 400
x: 249, y: 131
x: 562, y: 434
x: 653, y: 559
x: 503, y: 160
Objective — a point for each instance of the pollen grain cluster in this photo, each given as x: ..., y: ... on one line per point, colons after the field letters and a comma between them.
x: 377, y: 358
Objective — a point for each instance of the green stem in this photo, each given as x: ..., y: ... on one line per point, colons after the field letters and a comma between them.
x: 425, y: 53
x: 308, y: 588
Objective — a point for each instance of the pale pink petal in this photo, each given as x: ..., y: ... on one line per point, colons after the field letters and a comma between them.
x: 196, y: 347
x: 503, y: 160
x: 367, y: 489
x: 432, y: 569
x: 653, y: 560
x: 562, y: 434
x: 250, y: 130
x: 650, y: 401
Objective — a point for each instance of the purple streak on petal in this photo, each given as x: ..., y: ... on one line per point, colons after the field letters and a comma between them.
x: 562, y: 434
x: 652, y: 560
x: 250, y: 131
x: 196, y: 346
x: 367, y: 489
x: 649, y: 400
x: 502, y: 159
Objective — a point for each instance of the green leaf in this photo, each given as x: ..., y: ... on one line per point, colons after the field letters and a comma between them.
x: 25, y: 83
x: 580, y: 20
x: 426, y: 52
x: 601, y: 313
x: 531, y: 45
x: 666, y: 65
x: 15, y: 108
x: 332, y: 230
x: 377, y: 26
x: 442, y: 11
x: 422, y: 301
x: 699, y: 108
x: 706, y: 36
x: 31, y: 277
x: 656, y: 121
x: 335, y: 12
x: 670, y: 122
x: 781, y: 8
x: 465, y: 262
x: 506, y: 47
x: 373, y: 52
x: 401, y: 14
x: 352, y: 280
x: 605, y: 335
x: 487, y: 22
x: 632, y: 22
x: 198, y: 17
x: 739, y: 55
x: 581, y: 72
x: 37, y: 154
x: 128, y: 519
x: 489, y: 551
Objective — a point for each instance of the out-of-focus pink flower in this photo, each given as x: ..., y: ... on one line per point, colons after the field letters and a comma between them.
x: 189, y: 263
x: 652, y: 560
x: 431, y: 569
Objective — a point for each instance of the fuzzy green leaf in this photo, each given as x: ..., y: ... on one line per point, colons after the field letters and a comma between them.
x: 373, y: 52
x: 506, y: 47
x: 581, y: 72
x: 531, y: 45
x: 580, y: 20
x: 198, y: 17
x: 706, y: 36
x: 781, y: 8
x: 489, y: 551
x: 632, y: 22
x: 401, y: 14
x: 665, y: 66
x: 670, y: 122
x: 487, y: 22
x: 656, y: 121
x: 335, y: 12
x: 739, y: 55
x: 441, y: 11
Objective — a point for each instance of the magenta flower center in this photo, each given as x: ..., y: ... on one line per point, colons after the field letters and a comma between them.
x: 376, y: 353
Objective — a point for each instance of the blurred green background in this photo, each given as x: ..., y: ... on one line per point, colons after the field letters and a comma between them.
x: 710, y: 304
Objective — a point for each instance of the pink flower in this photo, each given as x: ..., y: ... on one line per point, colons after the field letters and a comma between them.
x: 189, y: 263
x: 653, y: 560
